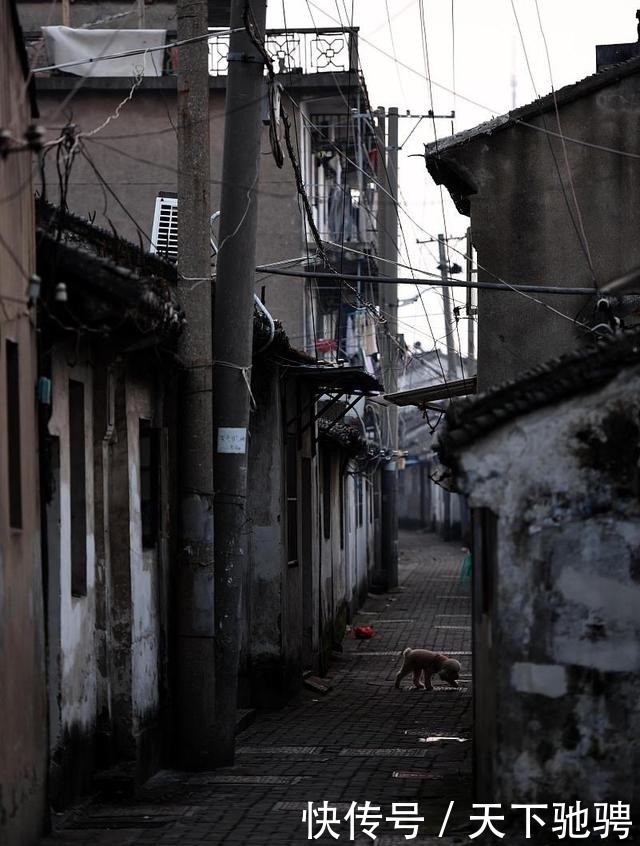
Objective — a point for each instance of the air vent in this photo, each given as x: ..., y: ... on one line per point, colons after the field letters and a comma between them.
x: 164, y: 235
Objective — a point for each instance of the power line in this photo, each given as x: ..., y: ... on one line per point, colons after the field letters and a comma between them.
x: 482, y: 106
x: 578, y: 227
x: 564, y: 149
x: 454, y: 249
x: 443, y: 247
x: 449, y: 283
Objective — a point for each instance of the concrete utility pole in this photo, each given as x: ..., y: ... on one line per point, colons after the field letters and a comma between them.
x: 388, y: 243
x: 448, y: 313
x: 195, y: 623
x: 233, y: 346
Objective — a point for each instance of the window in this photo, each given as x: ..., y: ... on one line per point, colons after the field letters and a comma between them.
x: 13, y: 435
x: 149, y: 483
x: 78, y: 485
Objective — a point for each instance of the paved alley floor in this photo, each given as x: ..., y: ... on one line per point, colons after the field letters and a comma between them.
x: 362, y: 742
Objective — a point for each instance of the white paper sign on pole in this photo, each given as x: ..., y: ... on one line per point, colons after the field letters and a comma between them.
x: 232, y: 440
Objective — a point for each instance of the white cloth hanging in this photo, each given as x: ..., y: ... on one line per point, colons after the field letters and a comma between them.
x: 351, y: 341
x: 369, y: 340
x: 66, y: 44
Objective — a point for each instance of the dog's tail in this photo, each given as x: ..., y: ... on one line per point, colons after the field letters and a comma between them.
x: 407, y: 651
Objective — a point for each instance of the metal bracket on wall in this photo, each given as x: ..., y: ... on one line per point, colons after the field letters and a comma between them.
x: 316, y: 417
x: 342, y: 416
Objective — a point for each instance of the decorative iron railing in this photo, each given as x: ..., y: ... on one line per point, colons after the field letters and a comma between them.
x: 297, y: 50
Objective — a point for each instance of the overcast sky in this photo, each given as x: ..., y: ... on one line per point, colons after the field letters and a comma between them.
x: 487, y: 70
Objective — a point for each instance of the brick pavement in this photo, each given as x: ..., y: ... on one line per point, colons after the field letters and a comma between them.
x: 363, y: 741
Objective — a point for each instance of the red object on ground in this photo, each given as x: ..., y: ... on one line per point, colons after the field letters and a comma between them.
x: 362, y: 632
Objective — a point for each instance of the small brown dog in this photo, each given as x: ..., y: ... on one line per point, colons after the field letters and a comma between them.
x: 423, y: 661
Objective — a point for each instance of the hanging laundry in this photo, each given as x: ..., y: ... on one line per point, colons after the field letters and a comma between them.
x: 369, y: 340
x: 351, y: 343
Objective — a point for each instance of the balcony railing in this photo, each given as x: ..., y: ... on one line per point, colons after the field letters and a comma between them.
x: 297, y: 50
x: 306, y: 51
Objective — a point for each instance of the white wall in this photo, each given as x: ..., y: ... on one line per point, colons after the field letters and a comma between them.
x: 145, y: 617
x: 77, y: 613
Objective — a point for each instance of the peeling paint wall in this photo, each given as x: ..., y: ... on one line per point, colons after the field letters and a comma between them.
x: 23, y: 741
x: 297, y: 610
x: 264, y: 654
x: 105, y: 654
x: 145, y: 604
x: 71, y: 653
x: 566, y: 620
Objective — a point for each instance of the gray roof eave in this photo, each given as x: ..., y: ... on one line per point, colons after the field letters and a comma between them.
x: 523, y: 114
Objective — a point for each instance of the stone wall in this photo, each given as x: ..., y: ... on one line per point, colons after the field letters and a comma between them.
x: 558, y: 609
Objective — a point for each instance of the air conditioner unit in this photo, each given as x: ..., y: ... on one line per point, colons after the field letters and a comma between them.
x: 164, y: 234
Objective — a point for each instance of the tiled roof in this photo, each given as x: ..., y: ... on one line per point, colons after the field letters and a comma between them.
x: 567, y: 94
x: 554, y: 381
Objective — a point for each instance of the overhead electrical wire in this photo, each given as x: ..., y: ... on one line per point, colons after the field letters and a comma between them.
x: 445, y: 295
x: 415, y: 223
x: 577, y: 224
x: 454, y: 249
x: 505, y: 287
x: 483, y: 106
x: 310, y: 290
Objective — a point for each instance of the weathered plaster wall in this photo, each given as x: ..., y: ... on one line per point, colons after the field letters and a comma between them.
x: 566, y: 622
x: 22, y: 643
x: 266, y: 581
x: 23, y: 741
x: 145, y: 611
x: 521, y: 218
x: 359, y: 541
x: 72, y: 646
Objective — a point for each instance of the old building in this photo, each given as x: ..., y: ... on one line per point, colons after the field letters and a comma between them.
x: 551, y: 203
x: 23, y: 736
x: 424, y: 396
x: 312, y: 555
x: 110, y: 431
x: 108, y: 319
x: 124, y: 171
x: 421, y: 501
x: 549, y: 463
x: 135, y: 152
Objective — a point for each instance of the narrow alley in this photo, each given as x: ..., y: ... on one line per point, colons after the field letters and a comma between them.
x: 361, y: 741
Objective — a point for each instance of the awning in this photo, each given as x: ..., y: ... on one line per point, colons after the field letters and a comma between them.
x: 432, y: 393
x: 346, y: 380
